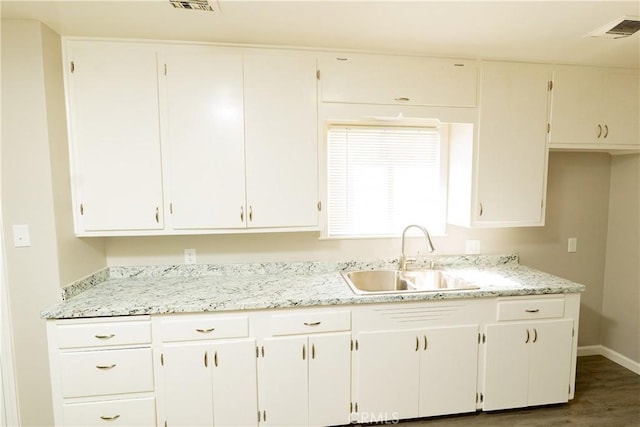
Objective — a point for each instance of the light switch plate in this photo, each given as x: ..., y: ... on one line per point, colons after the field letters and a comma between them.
x: 21, y: 237
x: 572, y: 244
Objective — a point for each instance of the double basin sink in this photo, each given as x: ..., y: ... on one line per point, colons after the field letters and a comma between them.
x: 369, y: 282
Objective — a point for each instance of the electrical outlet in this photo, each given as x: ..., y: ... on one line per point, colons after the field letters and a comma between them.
x: 472, y: 247
x: 189, y: 256
x: 572, y: 244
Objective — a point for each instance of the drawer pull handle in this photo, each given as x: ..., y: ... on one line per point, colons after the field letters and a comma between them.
x: 312, y: 323
x: 533, y: 311
x: 106, y: 366
x: 105, y: 337
x: 115, y: 417
x: 401, y: 98
x: 206, y: 331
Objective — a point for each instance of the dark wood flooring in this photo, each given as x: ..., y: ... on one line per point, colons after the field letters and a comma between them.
x: 606, y: 395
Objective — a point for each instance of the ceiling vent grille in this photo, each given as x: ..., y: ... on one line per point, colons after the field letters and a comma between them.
x: 192, y: 4
x: 622, y: 27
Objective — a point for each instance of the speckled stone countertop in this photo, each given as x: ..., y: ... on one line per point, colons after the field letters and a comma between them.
x: 122, y: 291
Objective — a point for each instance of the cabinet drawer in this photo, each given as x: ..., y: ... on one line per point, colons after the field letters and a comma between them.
x: 530, y: 309
x: 309, y: 322
x: 204, y: 328
x: 104, y: 334
x: 127, y: 412
x: 100, y: 372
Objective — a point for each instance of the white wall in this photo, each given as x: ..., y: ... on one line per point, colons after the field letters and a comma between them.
x: 35, y: 177
x: 621, y: 302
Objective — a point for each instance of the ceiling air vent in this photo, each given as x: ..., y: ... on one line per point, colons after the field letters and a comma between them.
x: 622, y: 27
x: 192, y: 4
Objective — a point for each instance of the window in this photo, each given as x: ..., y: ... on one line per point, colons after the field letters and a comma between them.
x: 381, y: 179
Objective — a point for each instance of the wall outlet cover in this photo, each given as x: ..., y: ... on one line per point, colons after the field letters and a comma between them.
x: 189, y: 256
x: 472, y: 247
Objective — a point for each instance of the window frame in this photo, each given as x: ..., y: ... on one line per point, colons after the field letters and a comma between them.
x: 398, y: 122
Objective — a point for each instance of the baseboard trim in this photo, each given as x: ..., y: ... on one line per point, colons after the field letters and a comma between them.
x: 614, y: 356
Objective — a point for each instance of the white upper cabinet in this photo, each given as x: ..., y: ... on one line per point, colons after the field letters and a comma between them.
x: 281, y: 139
x: 204, y: 128
x: 502, y: 182
x: 378, y: 79
x: 184, y: 139
x: 595, y: 108
x: 112, y: 92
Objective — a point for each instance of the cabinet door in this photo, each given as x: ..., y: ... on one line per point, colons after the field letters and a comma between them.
x: 512, y: 157
x: 377, y: 79
x: 188, y: 394
x: 281, y: 138
x: 621, y: 111
x: 506, y: 370
x: 329, y: 379
x: 282, y: 389
x: 575, y: 108
x: 550, y: 366
x: 235, y: 393
x: 388, y: 375
x: 115, y: 137
x: 448, y: 370
x: 205, y: 139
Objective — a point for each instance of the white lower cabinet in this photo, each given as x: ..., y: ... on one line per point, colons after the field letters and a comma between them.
x: 315, y: 366
x: 207, y: 372
x: 448, y: 370
x: 305, y: 380
x: 102, y: 372
x: 416, y: 373
x: 121, y: 412
x: 527, y: 364
x: 210, y: 384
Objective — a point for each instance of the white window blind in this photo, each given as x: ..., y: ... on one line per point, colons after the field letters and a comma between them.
x: 381, y: 179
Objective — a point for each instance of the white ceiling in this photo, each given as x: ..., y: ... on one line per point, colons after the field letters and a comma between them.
x: 547, y: 31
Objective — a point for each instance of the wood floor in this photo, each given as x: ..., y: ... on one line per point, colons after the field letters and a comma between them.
x: 606, y: 395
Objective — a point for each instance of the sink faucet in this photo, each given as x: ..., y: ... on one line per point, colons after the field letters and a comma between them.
x: 403, y: 257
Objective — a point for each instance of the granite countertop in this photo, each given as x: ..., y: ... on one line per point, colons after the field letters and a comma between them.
x: 123, y: 291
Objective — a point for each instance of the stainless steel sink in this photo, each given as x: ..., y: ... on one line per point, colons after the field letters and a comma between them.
x: 395, y: 281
